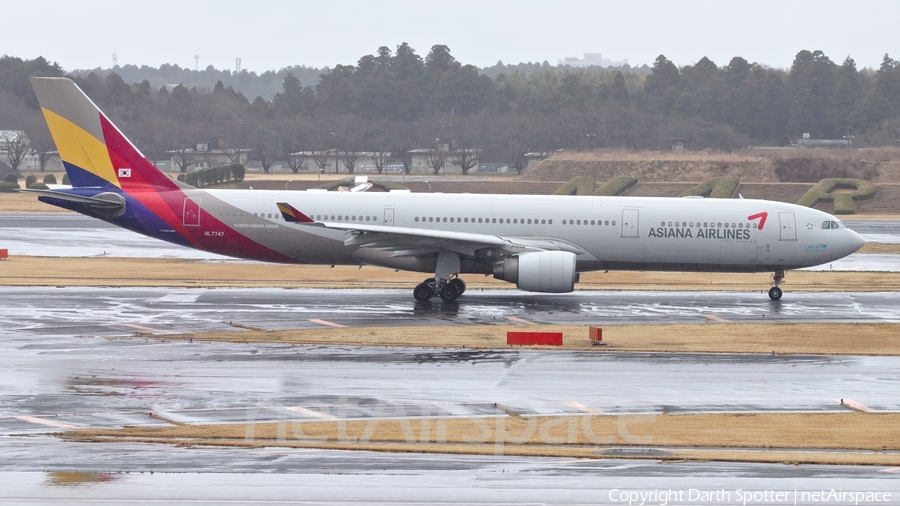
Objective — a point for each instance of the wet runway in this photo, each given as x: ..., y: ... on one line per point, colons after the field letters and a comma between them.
x: 123, y: 311
x: 54, y: 382
x: 59, y: 382
x: 121, y: 474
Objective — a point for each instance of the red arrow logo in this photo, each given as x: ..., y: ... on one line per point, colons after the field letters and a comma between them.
x: 761, y: 217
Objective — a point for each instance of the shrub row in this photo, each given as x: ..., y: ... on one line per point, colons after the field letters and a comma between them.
x: 213, y: 175
x: 716, y: 188
x: 7, y: 187
x: 578, y: 185
x: 843, y: 202
x: 10, y: 178
x: 616, y: 186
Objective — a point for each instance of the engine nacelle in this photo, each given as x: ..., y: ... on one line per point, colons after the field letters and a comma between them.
x: 542, y: 271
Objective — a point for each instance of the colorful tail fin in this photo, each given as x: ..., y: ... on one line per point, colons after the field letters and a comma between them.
x: 93, y: 151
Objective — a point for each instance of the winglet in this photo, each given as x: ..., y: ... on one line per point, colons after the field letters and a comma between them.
x: 291, y: 215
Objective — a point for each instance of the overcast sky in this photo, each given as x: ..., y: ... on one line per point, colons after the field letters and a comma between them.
x: 271, y: 34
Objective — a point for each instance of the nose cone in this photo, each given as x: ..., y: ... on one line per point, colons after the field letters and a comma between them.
x: 854, y: 242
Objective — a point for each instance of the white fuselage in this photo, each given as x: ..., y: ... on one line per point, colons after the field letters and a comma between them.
x: 607, y: 232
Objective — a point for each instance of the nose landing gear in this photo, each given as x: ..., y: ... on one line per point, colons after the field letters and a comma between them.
x: 775, y: 293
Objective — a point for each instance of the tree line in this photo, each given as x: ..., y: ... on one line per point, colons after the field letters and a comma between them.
x: 394, y: 101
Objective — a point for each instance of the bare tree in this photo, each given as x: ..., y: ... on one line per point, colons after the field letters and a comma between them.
x: 293, y: 138
x: 41, y: 141
x: 381, y: 142
x: 436, y: 157
x: 352, y: 133
x: 264, y: 145
x: 466, y: 142
x: 404, y: 136
x: 183, y: 157
x: 16, y: 145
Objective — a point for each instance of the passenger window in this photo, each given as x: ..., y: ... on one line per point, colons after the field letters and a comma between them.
x: 543, y: 221
x: 467, y: 220
x: 479, y: 220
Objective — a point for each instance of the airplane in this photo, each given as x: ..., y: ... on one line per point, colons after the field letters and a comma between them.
x: 540, y: 243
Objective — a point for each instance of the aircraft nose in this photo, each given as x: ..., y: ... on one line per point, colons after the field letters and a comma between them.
x: 855, y: 241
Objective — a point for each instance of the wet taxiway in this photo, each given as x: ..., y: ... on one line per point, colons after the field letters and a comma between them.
x: 61, y: 382
x: 121, y: 474
x: 123, y: 311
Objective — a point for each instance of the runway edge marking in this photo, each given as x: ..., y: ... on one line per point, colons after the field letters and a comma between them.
x: 327, y: 323
x: 50, y: 423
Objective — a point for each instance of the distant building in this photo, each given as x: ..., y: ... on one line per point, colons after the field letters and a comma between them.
x: 535, y: 158
x: 591, y: 60
x: 824, y: 143
x: 205, y: 155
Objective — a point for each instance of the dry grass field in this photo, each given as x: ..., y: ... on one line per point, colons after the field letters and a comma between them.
x: 835, y: 438
x: 713, y: 336
x: 109, y: 271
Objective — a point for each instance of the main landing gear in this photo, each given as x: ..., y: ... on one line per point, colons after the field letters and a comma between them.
x: 775, y: 293
x: 449, y: 290
x: 445, y: 283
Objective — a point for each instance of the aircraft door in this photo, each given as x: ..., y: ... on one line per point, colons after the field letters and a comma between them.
x: 191, y: 215
x: 788, y: 226
x: 630, y: 222
x: 388, y: 218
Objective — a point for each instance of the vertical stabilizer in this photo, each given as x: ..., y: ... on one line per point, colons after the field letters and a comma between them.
x: 93, y: 151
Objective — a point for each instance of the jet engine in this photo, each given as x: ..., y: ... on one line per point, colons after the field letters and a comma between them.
x: 542, y: 271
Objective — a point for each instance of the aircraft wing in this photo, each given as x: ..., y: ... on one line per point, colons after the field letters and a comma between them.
x: 405, y: 241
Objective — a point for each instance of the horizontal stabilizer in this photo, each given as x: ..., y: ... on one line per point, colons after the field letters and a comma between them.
x: 292, y: 215
x: 92, y: 202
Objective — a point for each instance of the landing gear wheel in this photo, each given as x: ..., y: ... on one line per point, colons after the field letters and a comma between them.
x: 460, y: 285
x: 423, y: 292
x: 775, y: 293
x: 449, y: 292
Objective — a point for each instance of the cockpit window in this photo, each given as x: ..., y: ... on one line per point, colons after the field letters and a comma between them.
x: 834, y: 224
x: 830, y: 225
x: 826, y: 225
